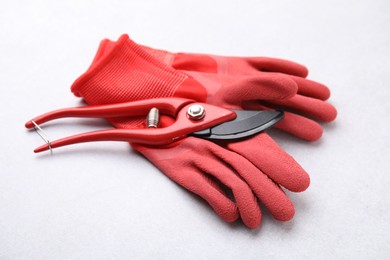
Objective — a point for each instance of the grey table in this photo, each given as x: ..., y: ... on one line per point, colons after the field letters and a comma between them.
x: 97, y: 201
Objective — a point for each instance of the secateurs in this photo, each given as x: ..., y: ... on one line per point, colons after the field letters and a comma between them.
x: 192, y: 118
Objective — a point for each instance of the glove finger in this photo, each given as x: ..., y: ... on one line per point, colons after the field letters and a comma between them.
x: 306, y: 106
x: 245, y: 200
x: 268, y: 87
x: 266, y: 155
x: 203, y: 186
x: 180, y: 161
x: 291, y: 123
x: 310, y: 88
x: 267, y: 191
x: 194, y: 180
x: 266, y: 64
x: 301, y: 127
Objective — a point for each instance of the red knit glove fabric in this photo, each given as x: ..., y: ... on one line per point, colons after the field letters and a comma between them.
x: 123, y: 71
x: 301, y: 110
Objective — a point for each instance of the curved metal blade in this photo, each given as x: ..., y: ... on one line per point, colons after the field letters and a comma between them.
x: 247, y: 123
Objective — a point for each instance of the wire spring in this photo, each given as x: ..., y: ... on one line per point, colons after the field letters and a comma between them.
x: 43, y: 135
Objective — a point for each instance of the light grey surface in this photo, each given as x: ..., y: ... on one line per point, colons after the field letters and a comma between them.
x: 104, y: 201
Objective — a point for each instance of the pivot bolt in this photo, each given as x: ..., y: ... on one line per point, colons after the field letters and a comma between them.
x: 196, y: 112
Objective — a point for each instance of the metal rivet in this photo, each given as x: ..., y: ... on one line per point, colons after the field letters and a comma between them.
x: 196, y: 112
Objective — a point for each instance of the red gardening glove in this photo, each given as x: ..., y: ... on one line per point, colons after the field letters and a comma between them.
x: 124, y: 72
x: 299, y: 110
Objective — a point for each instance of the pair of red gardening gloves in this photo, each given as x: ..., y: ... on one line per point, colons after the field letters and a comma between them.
x: 232, y: 176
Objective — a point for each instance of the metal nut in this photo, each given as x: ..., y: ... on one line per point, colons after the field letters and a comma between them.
x: 196, y: 112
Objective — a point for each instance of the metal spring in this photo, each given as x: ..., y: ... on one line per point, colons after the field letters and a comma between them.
x: 153, y: 118
x: 43, y: 135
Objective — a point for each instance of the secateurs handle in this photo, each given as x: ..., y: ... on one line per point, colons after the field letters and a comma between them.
x: 168, y: 106
x: 176, y: 107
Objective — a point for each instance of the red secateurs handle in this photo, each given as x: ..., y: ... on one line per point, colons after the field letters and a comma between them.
x: 168, y: 106
x: 176, y: 107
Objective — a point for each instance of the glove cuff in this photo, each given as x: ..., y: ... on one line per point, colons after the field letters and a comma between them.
x: 123, y: 71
